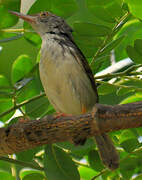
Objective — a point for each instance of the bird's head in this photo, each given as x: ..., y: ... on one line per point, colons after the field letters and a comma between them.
x: 45, y: 22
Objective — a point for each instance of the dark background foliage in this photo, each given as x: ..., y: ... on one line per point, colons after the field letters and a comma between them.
x: 109, y: 32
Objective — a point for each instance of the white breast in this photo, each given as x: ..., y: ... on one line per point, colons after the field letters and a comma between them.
x: 65, y: 82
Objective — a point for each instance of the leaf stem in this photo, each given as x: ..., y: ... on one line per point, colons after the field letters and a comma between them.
x: 13, y: 30
x: 109, y: 36
x: 17, y: 106
x: 21, y: 163
x: 124, y: 73
x: 102, y: 172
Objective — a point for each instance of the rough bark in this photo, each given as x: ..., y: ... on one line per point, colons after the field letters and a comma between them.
x: 103, y: 118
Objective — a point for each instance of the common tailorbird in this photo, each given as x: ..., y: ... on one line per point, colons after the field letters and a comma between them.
x: 66, y: 76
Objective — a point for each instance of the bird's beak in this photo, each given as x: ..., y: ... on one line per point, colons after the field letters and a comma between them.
x: 28, y: 18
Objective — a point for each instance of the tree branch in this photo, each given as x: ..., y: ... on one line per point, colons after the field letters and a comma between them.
x: 103, y: 118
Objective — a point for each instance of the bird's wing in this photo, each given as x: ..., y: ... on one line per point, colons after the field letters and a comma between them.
x: 84, y: 63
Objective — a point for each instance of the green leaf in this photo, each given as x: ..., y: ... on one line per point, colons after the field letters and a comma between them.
x: 113, y: 44
x: 95, y: 161
x: 5, y: 166
x: 132, y: 30
x: 122, y: 91
x: 6, y: 176
x: 86, y: 173
x: 101, y: 13
x: 30, y: 174
x: 125, y: 135
x: 106, y: 89
x: 21, y: 67
x: 5, y: 105
x: 5, y: 89
x: 37, y: 108
x: 92, y: 3
x: 130, y: 145
x: 138, y: 46
x: 8, y: 20
x: 110, y: 8
x: 58, y: 164
x: 127, y: 167
x: 31, y: 89
x: 132, y: 98
x: 135, y: 7
x: 88, y: 44
x: 80, y: 151
x: 40, y: 5
x: 86, y: 29
x: 32, y: 37
x: 134, y: 55
x: 64, y: 8
x: 115, y: 9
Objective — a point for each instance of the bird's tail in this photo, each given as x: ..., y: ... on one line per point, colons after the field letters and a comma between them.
x: 107, y: 151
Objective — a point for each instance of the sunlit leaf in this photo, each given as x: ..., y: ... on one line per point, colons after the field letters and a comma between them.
x: 21, y: 67
x: 59, y: 165
x: 91, y: 29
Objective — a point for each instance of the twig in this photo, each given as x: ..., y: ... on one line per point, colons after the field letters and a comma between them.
x: 21, y: 163
x: 109, y: 36
x: 124, y: 73
x: 17, y: 106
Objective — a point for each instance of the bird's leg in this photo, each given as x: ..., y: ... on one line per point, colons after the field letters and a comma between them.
x: 60, y: 114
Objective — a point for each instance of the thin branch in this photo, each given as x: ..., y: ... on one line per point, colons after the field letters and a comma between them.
x: 109, y: 36
x: 102, y: 172
x: 124, y: 73
x: 17, y: 106
x: 21, y: 163
x: 122, y: 86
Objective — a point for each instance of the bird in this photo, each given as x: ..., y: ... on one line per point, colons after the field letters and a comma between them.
x: 66, y: 76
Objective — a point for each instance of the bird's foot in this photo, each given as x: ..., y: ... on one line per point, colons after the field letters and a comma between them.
x: 23, y: 119
x: 59, y: 114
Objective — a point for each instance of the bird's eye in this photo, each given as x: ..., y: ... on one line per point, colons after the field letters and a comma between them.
x: 43, y: 14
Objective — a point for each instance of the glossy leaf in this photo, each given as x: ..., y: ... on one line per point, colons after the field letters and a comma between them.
x: 125, y: 135
x: 59, y: 165
x: 132, y: 30
x: 91, y: 29
x: 4, y: 83
x: 134, y: 55
x: 130, y: 145
x: 132, y: 98
x: 5, y: 105
x: 79, y: 151
x: 127, y: 167
x: 101, y: 13
x: 39, y: 6
x: 33, y: 88
x: 106, y: 89
x: 95, y: 161
x: 21, y: 67
x: 87, y: 173
x: 138, y: 46
x: 64, y: 8
x: 6, y: 176
x: 30, y: 174
x: 135, y: 7
x: 122, y: 91
x: 113, y: 44
x: 37, y: 108
x: 7, y: 19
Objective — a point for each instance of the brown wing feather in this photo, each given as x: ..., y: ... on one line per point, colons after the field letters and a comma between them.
x: 78, y: 55
x: 81, y: 59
